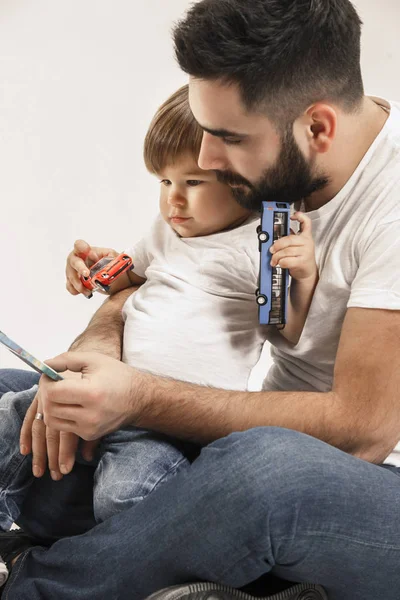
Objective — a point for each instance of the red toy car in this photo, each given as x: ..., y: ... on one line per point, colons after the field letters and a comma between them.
x: 106, y: 271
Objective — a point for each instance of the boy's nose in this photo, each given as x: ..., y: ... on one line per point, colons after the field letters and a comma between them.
x: 176, y: 199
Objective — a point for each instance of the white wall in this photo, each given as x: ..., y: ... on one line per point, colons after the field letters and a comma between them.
x: 79, y: 83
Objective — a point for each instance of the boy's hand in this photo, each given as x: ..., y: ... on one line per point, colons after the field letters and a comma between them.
x: 78, y: 261
x: 296, y: 252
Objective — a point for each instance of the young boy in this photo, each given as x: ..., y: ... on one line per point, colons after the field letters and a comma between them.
x: 194, y: 316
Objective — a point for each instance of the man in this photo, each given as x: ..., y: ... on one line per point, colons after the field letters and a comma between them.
x: 286, y: 482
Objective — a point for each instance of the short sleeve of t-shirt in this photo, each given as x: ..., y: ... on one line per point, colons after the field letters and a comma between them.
x: 141, y: 252
x: 377, y: 283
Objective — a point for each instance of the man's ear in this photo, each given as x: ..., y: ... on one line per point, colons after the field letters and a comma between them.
x: 322, y: 126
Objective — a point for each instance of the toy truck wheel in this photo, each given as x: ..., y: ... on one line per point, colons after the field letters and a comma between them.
x: 261, y: 300
x: 263, y: 236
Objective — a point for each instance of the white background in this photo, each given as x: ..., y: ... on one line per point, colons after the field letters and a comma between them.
x: 79, y: 83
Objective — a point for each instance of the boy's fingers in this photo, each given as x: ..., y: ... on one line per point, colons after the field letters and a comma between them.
x: 283, y: 254
x: 286, y: 242
x: 76, y: 266
x: 81, y: 249
x: 290, y: 262
x: 72, y: 290
x: 305, y: 222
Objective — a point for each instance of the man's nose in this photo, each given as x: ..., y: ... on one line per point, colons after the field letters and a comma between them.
x: 211, y: 154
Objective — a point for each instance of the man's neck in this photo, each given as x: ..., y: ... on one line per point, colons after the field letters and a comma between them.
x: 355, y: 135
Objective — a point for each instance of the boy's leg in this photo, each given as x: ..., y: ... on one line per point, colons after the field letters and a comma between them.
x: 17, y: 380
x: 133, y: 462
x: 15, y: 469
x: 263, y: 500
x: 49, y: 510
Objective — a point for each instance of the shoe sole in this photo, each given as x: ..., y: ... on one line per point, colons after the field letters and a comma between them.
x: 215, y: 591
x: 3, y: 573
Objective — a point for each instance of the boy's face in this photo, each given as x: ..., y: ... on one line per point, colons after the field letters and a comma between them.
x: 194, y: 203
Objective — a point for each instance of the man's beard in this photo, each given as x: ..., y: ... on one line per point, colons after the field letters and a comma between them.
x: 290, y: 180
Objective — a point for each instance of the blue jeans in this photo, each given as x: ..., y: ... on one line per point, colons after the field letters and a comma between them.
x: 267, y: 500
x: 130, y: 463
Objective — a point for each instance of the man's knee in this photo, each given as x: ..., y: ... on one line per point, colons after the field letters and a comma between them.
x: 276, y: 464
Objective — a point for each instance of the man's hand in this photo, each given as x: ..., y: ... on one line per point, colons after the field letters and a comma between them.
x: 49, y: 446
x: 108, y: 395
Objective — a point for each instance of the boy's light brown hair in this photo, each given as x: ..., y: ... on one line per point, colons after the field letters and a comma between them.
x: 173, y: 133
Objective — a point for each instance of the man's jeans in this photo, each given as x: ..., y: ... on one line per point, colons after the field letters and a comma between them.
x: 265, y: 500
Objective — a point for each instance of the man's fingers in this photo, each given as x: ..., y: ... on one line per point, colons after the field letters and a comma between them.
x: 25, y: 439
x: 53, y: 445
x: 68, y: 447
x: 72, y: 361
x: 39, y: 448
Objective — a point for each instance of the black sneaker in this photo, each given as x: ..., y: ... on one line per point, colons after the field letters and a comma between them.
x: 214, y: 591
x: 12, y: 543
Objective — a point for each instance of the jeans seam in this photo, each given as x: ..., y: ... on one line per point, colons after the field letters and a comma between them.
x: 169, y: 472
x: 347, y: 538
x: 14, y: 575
x: 11, y: 472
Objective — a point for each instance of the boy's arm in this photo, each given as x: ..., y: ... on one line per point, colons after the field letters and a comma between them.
x: 124, y: 281
x: 301, y: 292
x: 297, y: 253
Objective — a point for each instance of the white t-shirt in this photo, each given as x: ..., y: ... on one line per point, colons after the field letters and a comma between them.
x: 357, y: 241
x: 195, y: 318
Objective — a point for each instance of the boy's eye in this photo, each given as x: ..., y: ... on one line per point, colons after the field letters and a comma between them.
x: 231, y: 142
x: 165, y: 181
x: 193, y: 182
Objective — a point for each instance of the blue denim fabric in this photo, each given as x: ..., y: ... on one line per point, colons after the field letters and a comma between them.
x: 50, y: 510
x: 268, y: 500
x: 15, y: 470
x: 17, y: 380
x: 131, y: 462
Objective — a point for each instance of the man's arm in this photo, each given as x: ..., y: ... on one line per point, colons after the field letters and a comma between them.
x: 105, y: 329
x: 361, y: 415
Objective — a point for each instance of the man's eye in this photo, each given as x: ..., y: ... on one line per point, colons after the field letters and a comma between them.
x: 231, y: 142
x: 165, y: 181
x: 193, y: 182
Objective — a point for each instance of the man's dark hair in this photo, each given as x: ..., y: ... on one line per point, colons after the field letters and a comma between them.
x: 283, y: 54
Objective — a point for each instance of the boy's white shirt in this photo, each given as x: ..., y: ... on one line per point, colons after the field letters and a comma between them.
x: 196, y: 318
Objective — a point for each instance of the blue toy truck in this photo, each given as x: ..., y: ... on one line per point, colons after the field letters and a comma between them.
x: 272, y: 293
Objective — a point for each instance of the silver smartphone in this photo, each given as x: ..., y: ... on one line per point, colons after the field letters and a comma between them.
x: 30, y: 360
